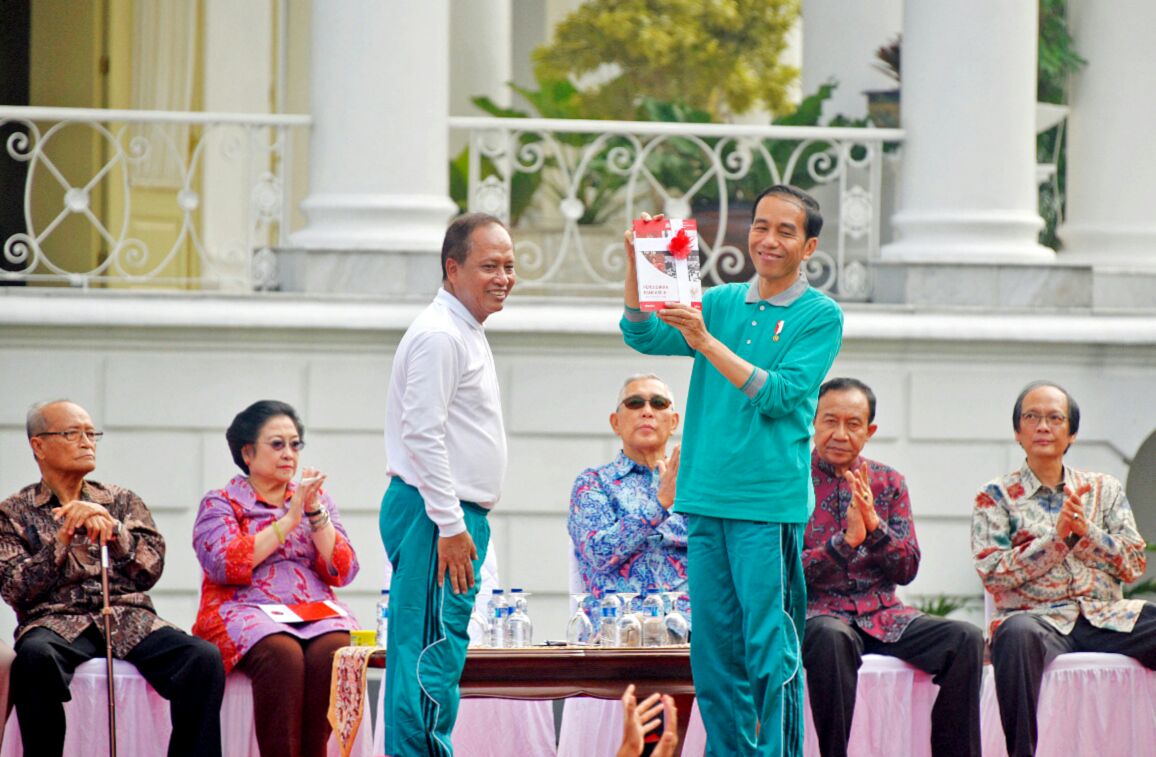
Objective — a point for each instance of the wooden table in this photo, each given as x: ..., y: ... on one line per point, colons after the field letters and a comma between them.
x: 562, y: 672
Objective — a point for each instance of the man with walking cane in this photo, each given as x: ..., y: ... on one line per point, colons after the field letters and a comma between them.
x: 52, y: 534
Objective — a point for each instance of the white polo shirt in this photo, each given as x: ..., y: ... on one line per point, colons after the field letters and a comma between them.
x: 443, y: 415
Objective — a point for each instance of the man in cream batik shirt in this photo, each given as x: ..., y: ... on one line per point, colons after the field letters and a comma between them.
x: 1054, y: 547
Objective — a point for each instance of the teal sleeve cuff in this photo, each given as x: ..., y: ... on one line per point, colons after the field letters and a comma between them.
x: 634, y: 315
x: 755, y: 382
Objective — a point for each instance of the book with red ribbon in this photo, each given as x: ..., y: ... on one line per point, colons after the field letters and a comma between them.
x: 667, y: 260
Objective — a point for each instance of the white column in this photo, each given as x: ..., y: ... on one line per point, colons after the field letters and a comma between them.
x: 1111, y: 161
x: 839, y: 42
x: 967, y: 182
x: 482, y: 58
x: 378, y: 177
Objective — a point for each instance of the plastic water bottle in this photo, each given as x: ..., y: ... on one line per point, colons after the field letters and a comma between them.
x: 518, y: 625
x: 498, y: 608
x: 383, y: 618
x: 610, y: 607
x: 653, y: 620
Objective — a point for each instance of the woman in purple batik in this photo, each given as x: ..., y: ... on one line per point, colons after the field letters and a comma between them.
x: 265, y: 541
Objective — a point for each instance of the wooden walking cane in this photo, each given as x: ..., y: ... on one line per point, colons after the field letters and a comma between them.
x: 106, y: 611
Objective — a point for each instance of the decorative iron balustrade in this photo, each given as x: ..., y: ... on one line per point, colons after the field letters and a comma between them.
x: 143, y: 198
x: 571, y: 187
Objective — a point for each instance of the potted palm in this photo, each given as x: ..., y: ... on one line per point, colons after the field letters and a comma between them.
x: 883, y: 104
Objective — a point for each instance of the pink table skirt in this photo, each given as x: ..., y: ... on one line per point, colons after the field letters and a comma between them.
x: 489, y: 728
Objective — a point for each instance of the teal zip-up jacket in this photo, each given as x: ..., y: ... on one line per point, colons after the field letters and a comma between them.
x: 746, y: 452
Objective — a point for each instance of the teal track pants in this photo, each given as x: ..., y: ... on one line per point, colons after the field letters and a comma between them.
x: 428, y: 626
x: 750, y: 603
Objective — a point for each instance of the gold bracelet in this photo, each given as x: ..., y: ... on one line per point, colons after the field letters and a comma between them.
x: 277, y: 530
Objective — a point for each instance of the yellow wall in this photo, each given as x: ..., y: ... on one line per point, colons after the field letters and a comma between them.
x: 66, y: 53
x: 82, y: 56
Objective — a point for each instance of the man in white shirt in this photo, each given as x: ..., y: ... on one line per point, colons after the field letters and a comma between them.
x: 446, y: 451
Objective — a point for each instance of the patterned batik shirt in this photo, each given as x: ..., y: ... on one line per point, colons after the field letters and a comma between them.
x: 57, y: 587
x: 1026, y: 566
x: 857, y: 584
x: 623, y: 538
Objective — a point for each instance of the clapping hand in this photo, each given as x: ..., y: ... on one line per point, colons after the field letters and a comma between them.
x: 861, y: 516
x: 305, y: 495
x: 667, y: 477
x: 1072, y: 519
x: 639, y: 719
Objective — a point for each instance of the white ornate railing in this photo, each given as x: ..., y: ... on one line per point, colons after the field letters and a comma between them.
x: 145, y: 197
x: 571, y: 187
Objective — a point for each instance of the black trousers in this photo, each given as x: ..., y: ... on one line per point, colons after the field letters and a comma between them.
x: 1023, y: 646
x: 183, y: 669
x: 950, y: 650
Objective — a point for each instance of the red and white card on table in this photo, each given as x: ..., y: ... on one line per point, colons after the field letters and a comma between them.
x: 666, y: 257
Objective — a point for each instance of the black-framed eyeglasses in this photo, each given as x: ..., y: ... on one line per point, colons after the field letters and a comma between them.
x: 72, y: 434
x: 1033, y: 419
x: 279, y: 444
x: 636, y: 401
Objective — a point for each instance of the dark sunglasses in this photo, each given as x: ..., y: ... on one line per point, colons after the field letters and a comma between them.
x: 636, y: 401
x: 279, y: 444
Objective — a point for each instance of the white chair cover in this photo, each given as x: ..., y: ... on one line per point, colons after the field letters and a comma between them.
x: 487, y: 727
x: 1091, y: 703
x: 892, y: 711
x: 142, y: 717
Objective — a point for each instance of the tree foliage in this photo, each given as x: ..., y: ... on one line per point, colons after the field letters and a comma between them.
x: 1057, y: 55
x: 718, y: 56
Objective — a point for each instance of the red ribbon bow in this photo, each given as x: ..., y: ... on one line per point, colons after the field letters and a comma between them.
x: 679, y: 245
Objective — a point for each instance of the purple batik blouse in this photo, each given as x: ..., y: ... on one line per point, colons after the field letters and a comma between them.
x: 232, y: 589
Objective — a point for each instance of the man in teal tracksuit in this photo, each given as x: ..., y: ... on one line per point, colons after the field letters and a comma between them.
x: 760, y: 352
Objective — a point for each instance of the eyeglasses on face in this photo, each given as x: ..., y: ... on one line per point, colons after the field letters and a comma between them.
x: 636, y: 401
x: 72, y: 434
x: 279, y: 444
x: 1030, y: 418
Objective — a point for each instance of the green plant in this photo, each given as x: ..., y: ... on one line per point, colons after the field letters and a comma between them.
x: 943, y: 605
x: 1146, y: 587
x: 550, y: 99
x: 887, y: 58
x: 682, y: 161
x: 1057, y: 61
x: 1057, y: 58
x: 722, y: 57
x: 675, y: 166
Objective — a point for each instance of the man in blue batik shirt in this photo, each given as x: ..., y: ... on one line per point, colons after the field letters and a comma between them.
x: 625, y: 537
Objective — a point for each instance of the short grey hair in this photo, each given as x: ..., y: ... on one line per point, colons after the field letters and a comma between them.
x: 34, y: 422
x: 641, y: 377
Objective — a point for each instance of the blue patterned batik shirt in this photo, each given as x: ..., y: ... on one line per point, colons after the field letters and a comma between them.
x: 623, y: 538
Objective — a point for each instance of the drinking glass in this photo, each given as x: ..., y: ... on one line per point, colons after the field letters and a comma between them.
x: 629, y: 626
x: 579, y: 629
x: 677, y: 625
